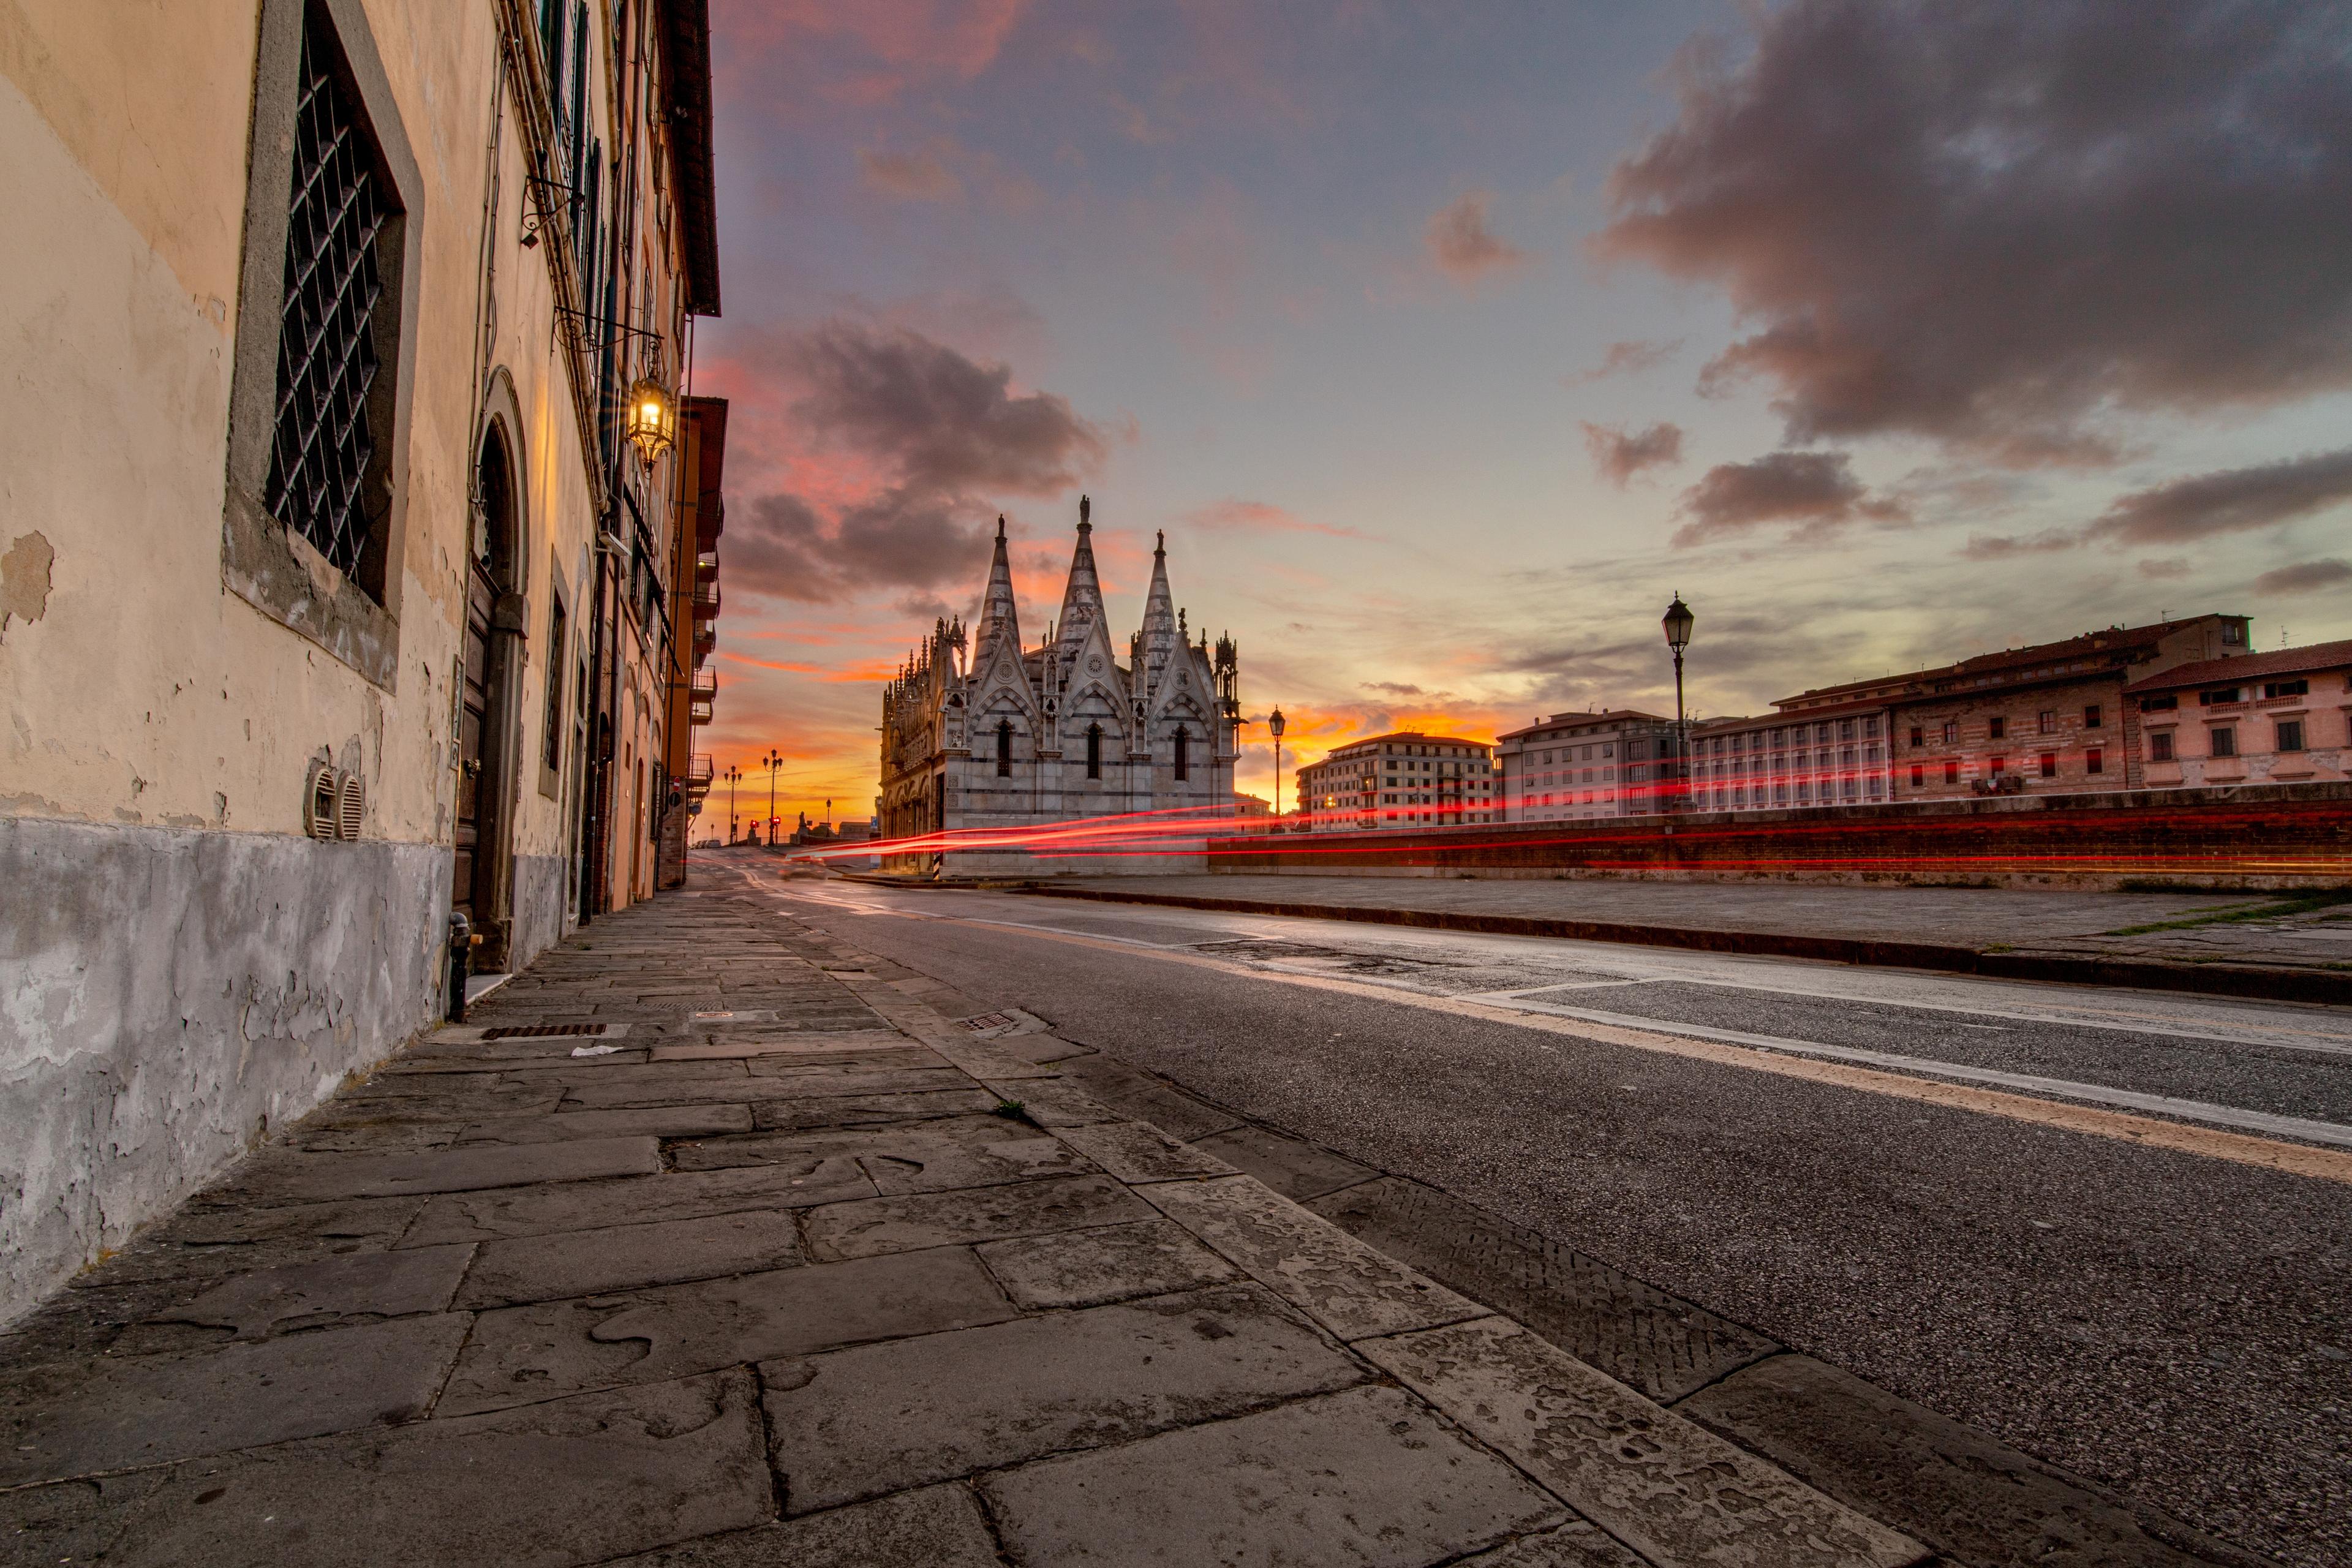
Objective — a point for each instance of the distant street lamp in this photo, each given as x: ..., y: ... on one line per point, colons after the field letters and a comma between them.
x: 732, y: 774
x: 1275, y: 725
x: 775, y: 761
x: 1677, y: 624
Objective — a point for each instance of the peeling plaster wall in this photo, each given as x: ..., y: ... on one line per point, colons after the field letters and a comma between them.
x: 182, y: 963
x: 173, y: 996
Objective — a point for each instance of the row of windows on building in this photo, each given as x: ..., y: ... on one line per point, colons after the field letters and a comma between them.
x: 1179, y: 754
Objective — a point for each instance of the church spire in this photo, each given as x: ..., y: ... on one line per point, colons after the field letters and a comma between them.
x: 1159, y: 634
x: 1000, y: 617
x: 1082, y: 605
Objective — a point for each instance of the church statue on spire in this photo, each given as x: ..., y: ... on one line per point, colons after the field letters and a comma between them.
x: 1078, y: 726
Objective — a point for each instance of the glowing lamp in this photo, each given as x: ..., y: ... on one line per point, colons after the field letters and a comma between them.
x: 651, y: 424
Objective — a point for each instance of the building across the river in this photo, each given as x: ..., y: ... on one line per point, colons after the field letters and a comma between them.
x: 1405, y: 779
x: 1015, y: 740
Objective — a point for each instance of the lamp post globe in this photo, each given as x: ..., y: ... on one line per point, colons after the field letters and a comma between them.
x: 1677, y: 624
x: 1274, y: 725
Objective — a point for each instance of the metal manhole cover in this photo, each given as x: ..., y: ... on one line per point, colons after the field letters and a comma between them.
x: 540, y: 1031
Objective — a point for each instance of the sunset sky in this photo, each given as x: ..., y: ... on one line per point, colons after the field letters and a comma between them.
x: 1446, y: 342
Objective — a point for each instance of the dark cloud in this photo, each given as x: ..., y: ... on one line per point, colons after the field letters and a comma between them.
x: 925, y: 440
x: 1990, y: 222
x: 2165, y: 568
x: 1816, y: 490
x: 1465, y: 243
x: 778, y: 546
x: 2231, y: 500
x: 1394, y: 689
x: 1618, y: 457
x: 2003, y: 547
x: 943, y: 421
x: 2305, y: 577
x: 1628, y: 357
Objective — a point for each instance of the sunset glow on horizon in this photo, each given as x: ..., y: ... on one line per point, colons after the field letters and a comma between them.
x: 1446, y: 344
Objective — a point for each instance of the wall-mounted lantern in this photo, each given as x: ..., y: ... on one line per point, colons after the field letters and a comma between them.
x: 652, y: 422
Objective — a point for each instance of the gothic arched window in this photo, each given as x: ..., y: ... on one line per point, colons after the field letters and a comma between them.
x: 1005, y: 747
x: 1094, y: 750
x: 1183, y: 754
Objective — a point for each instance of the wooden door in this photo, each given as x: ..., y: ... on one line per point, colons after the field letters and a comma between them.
x: 473, y: 730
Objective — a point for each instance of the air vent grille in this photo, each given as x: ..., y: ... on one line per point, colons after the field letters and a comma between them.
x: 351, y: 805
x: 318, y: 802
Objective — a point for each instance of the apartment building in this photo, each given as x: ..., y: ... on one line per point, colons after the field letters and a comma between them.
x: 701, y: 517
x: 1828, y: 753
x: 2051, y: 717
x: 350, y: 334
x: 2256, y: 718
x: 1404, y: 779
x: 1581, y: 766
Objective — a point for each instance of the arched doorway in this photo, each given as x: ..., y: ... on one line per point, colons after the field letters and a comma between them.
x: 481, y: 880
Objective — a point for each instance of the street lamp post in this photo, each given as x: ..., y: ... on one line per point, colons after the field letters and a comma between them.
x: 775, y: 761
x: 1274, y: 726
x: 733, y: 774
x: 1677, y: 625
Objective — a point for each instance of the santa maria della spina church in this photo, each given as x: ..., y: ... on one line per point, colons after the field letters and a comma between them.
x: 1081, y: 726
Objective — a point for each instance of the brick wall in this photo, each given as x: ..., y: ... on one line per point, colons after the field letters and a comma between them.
x: 2275, y: 835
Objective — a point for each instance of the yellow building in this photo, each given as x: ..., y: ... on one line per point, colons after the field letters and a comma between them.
x: 332, y: 587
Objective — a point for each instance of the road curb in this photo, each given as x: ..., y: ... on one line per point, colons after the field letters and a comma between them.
x: 2269, y: 985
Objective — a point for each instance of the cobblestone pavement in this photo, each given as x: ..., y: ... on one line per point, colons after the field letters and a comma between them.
x: 713, y: 1241
x: 2020, y: 919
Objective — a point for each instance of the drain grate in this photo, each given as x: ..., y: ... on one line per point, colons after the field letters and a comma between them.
x: 989, y: 1021
x: 540, y: 1031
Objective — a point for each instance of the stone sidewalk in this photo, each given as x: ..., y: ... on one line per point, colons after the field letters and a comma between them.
x: 710, y: 1242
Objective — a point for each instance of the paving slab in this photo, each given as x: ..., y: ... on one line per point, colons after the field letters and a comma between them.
x: 1952, y: 1487
x: 935, y: 1527
x: 327, y: 1292
x: 628, y: 1257
x: 867, y: 1110
x: 1336, y: 1280
x: 1575, y: 1544
x: 1142, y: 1098
x: 595, y: 1205
x: 71, y: 1419
x: 910, y: 1221
x: 1114, y: 1263
x: 1657, y: 1344
x: 518, y: 1354
x: 1667, y: 1488
x: 197, y: 1242
x: 1291, y: 1166
x: 1054, y: 1102
x: 1364, y: 1478
x: 844, y: 1045
x: 880, y: 1418
x: 1136, y: 1151
x: 69, y: 1521
x: 646, y: 1121
x: 571, y: 1481
x: 282, y: 1177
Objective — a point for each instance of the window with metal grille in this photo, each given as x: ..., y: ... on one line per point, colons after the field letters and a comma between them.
x: 324, y: 444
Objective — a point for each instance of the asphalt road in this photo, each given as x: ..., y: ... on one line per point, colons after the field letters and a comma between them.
x: 1928, y: 1179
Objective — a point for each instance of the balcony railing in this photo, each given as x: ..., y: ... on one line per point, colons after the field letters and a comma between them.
x: 711, y: 521
x: 706, y: 637
x: 697, y: 711
x: 706, y: 601
x: 705, y: 685
x: 700, y: 773
x: 705, y: 567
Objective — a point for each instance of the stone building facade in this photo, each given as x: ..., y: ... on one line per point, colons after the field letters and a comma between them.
x: 1013, y: 740
x: 2259, y: 718
x: 1580, y: 767
x: 2049, y: 718
x: 1403, y: 779
x: 330, y: 590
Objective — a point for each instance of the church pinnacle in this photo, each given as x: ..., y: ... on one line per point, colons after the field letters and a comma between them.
x: 1082, y: 605
x: 1000, y: 617
x: 1159, y: 636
